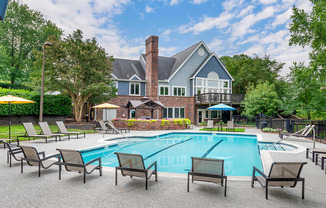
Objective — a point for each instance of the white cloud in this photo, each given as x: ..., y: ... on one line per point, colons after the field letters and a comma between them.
x: 199, y: 1
x: 149, y: 9
x: 246, y: 11
x: 282, y: 18
x: 216, y: 45
x: 228, y: 5
x: 208, y: 23
x: 174, y: 2
x: 164, y: 51
x: 267, y: 1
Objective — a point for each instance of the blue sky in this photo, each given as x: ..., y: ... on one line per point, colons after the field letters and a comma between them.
x: 228, y: 27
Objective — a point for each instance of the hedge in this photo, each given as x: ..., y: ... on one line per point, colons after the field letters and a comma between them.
x: 59, y: 105
x: 14, y: 86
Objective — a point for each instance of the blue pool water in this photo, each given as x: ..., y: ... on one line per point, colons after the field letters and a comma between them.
x: 173, y: 152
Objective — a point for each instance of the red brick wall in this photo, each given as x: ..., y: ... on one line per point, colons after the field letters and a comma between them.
x: 168, y: 101
x: 152, y: 67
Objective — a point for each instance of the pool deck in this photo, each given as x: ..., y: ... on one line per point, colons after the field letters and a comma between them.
x: 28, y: 190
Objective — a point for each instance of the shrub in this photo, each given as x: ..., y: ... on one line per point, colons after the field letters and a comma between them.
x: 59, y: 105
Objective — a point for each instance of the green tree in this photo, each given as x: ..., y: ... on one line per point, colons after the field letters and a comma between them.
x: 248, y: 71
x: 304, y: 92
x: 261, y: 99
x: 22, y: 31
x: 79, y: 68
x: 309, y: 29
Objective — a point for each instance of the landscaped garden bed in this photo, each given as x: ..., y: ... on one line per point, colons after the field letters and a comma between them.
x: 152, y: 124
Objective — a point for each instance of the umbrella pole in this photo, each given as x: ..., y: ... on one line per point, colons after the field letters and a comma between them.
x: 9, y: 121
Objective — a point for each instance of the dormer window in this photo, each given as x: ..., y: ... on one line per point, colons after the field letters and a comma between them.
x: 134, y: 88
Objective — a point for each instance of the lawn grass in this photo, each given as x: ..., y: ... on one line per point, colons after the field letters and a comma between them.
x: 17, y: 130
x: 224, y: 129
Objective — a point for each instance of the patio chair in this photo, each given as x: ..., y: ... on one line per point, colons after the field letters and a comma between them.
x: 46, y: 130
x: 16, y: 153
x: 119, y: 129
x: 32, y: 157
x: 313, y: 152
x: 105, y: 128
x: 133, y: 165
x: 322, y: 157
x: 301, y: 133
x: 281, y: 174
x: 64, y: 130
x: 73, y: 161
x: 9, y: 142
x: 30, y: 132
x: 207, y: 170
x: 230, y: 126
x: 210, y: 125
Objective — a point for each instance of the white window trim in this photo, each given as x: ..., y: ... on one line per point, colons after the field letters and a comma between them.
x: 164, y: 86
x: 130, y: 88
x: 206, y: 87
x: 172, y: 93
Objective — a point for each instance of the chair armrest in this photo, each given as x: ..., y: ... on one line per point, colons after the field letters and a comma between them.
x: 151, y: 165
x: 41, y: 153
x: 90, y: 162
x: 15, y: 151
x: 260, y: 172
x: 51, y: 156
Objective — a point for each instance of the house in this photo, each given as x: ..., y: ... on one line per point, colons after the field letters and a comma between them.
x: 185, y: 83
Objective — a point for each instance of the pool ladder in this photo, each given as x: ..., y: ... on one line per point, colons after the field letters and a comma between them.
x: 273, y: 145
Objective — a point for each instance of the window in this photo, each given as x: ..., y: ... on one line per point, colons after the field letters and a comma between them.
x: 226, y: 84
x: 179, y: 91
x: 134, y: 88
x: 174, y: 113
x: 133, y: 114
x: 164, y: 90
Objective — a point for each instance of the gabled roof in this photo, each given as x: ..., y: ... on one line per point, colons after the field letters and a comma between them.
x: 125, y: 69
x: 181, y: 57
x: 165, y: 65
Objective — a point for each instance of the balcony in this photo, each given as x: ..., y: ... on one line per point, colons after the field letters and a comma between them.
x: 215, y: 98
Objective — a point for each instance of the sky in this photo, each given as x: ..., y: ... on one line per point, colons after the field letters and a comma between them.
x: 228, y: 27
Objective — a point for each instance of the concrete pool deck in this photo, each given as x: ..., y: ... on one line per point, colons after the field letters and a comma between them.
x: 28, y: 190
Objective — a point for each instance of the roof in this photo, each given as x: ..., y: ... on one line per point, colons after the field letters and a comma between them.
x: 125, y: 69
x: 167, y: 66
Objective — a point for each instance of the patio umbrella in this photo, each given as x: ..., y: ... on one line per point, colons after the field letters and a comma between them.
x: 221, y: 107
x: 9, y: 99
x: 106, y: 106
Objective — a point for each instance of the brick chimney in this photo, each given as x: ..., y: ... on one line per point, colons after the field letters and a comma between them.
x: 152, y: 67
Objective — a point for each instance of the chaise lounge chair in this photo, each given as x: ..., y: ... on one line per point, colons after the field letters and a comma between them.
x: 16, y: 153
x: 322, y: 158
x: 32, y: 157
x: 314, y: 152
x: 105, y: 128
x: 119, y: 129
x: 281, y: 174
x: 230, y: 126
x: 46, y: 130
x: 64, y: 130
x: 73, y: 161
x: 133, y: 165
x: 210, y: 125
x: 30, y: 132
x: 301, y: 133
x: 208, y: 170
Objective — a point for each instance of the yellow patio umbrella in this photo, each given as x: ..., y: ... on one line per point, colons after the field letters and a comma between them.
x: 106, y: 106
x: 10, y: 99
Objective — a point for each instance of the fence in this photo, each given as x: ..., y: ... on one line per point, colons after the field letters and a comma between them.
x: 292, y: 125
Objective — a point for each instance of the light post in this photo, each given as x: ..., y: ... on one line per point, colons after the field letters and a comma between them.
x: 42, y: 85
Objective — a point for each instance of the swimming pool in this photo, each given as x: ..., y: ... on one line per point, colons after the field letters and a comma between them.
x: 173, y: 151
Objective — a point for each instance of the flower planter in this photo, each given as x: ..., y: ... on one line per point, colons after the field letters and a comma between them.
x: 146, y: 125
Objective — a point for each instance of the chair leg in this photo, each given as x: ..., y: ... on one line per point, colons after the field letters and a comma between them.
x: 188, y: 184
x: 146, y: 182
x: 39, y: 169
x: 116, y: 176
x: 225, y: 187
x: 303, y: 189
x: 21, y: 166
x: 59, y: 172
x: 84, y: 176
x: 101, y: 171
x: 266, y: 191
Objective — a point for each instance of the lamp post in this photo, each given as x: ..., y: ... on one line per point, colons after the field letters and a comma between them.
x: 42, y: 85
